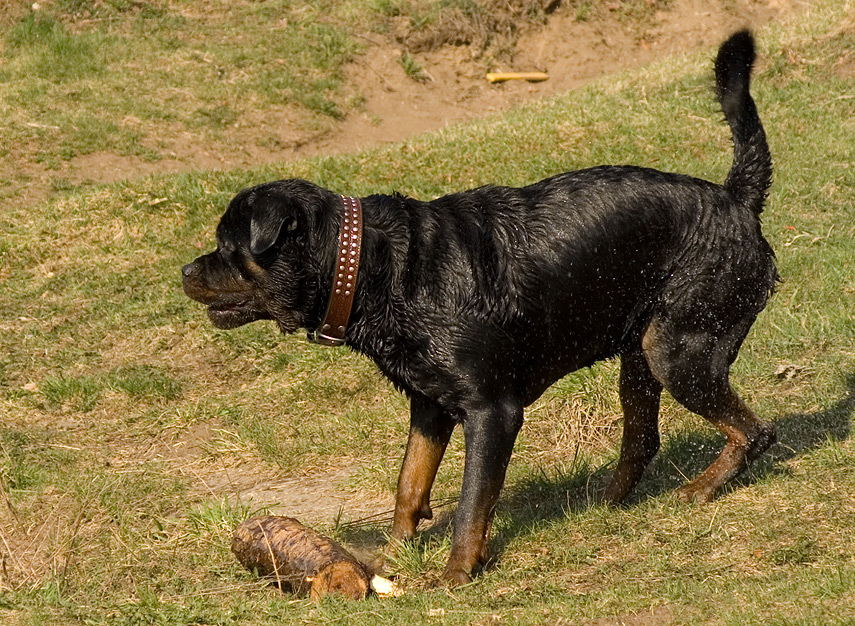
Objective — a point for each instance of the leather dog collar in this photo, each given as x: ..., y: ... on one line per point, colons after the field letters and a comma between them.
x: 332, y: 330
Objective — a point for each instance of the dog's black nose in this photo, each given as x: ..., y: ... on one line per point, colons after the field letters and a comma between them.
x: 189, y: 269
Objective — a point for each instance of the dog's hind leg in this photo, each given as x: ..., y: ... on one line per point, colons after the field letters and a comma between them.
x: 639, y: 398
x: 694, y: 368
x: 747, y: 438
x: 430, y: 431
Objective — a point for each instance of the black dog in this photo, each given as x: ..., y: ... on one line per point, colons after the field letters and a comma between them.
x: 474, y: 303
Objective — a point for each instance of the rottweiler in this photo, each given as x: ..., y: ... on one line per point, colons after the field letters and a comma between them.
x: 474, y: 303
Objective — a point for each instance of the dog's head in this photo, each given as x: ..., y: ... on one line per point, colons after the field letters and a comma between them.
x: 275, y: 247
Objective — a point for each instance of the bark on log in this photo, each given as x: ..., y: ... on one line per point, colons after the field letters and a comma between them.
x: 298, y: 558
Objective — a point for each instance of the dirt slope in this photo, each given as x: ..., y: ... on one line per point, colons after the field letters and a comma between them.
x: 395, y: 106
x: 570, y: 51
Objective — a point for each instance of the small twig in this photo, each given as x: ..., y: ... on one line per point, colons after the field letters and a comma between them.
x: 679, y: 471
x: 374, y: 41
x: 712, y: 521
x: 41, y: 126
x: 11, y: 555
x: 387, y: 516
x: 270, y: 552
x: 8, y: 503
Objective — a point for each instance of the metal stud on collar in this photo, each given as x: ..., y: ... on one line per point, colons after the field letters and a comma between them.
x: 348, y: 253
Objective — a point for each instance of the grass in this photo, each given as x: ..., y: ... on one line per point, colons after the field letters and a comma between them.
x: 413, y: 68
x: 141, y: 79
x: 173, y: 68
x: 108, y: 374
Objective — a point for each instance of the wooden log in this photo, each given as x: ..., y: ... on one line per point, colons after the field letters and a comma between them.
x: 298, y: 558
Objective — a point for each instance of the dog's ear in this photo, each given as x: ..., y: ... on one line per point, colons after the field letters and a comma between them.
x: 271, y: 218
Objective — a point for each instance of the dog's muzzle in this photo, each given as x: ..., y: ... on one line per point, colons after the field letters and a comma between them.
x: 226, y: 309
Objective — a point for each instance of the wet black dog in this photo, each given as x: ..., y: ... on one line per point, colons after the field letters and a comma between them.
x: 474, y: 303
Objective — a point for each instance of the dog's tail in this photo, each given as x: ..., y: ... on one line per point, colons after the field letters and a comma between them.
x: 751, y: 174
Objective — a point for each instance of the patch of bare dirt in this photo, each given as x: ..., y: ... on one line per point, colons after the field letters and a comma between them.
x: 570, y: 51
x: 317, y: 497
x: 452, y: 55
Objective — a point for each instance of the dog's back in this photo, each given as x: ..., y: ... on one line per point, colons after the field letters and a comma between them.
x: 589, y: 258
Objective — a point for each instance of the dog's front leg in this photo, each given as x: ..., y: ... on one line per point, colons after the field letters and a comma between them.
x: 490, y: 434
x: 430, y: 430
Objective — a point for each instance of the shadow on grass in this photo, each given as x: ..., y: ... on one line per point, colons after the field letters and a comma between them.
x: 542, y: 498
x: 548, y: 495
x: 800, y: 432
x: 685, y: 457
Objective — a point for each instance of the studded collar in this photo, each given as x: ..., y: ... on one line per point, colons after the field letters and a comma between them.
x: 332, y: 330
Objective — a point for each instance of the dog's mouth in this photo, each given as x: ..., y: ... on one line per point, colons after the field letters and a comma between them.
x: 233, y: 314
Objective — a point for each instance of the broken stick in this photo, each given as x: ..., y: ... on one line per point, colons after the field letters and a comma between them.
x: 532, y: 77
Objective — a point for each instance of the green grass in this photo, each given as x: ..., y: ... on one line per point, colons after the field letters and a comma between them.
x: 107, y: 373
x: 413, y: 68
x: 128, y: 77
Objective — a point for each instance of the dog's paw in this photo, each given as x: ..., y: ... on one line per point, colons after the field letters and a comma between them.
x: 696, y: 493
x: 613, y: 495
x: 455, y: 577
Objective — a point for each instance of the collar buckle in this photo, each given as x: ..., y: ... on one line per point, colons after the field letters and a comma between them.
x: 318, y: 337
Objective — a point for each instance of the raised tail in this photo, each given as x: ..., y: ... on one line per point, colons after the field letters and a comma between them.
x: 751, y: 174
